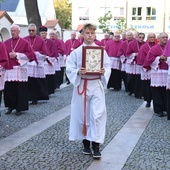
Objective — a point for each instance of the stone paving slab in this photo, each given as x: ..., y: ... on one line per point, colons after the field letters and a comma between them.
x: 116, y: 153
x: 152, y: 151
x: 10, y: 124
x: 51, y: 149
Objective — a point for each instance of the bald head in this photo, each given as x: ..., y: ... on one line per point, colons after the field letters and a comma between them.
x: 151, y: 37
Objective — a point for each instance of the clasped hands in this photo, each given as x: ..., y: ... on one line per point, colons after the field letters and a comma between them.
x: 163, y: 58
x: 12, y: 54
x: 82, y: 71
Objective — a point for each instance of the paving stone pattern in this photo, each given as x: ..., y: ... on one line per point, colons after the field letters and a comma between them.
x: 51, y: 149
x: 152, y: 152
x: 12, y: 123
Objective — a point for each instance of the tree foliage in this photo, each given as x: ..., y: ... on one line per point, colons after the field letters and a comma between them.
x: 63, y: 12
x: 121, y: 25
x: 104, y: 22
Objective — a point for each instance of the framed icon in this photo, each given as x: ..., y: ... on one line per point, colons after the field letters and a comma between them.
x: 92, y: 59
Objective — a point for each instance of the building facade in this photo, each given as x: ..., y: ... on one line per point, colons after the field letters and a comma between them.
x: 143, y: 15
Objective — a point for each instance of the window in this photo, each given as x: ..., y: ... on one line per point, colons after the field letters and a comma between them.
x: 137, y: 13
x: 104, y: 10
x: 150, y: 13
x: 83, y: 13
x: 118, y: 13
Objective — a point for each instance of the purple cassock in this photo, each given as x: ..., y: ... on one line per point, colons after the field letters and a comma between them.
x: 63, y: 46
x: 143, y: 52
x: 59, y: 46
x: 166, y: 53
x: 122, y: 54
x: 38, y: 89
x: 4, y: 57
x: 70, y: 45
x: 133, y: 69
x: 159, y: 75
x: 21, y: 46
x: 112, y: 48
x: 158, y: 78
x: 51, y: 48
x: 16, y: 85
x: 152, y: 56
x: 145, y: 73
x: 97, y: 42
x: 132, y: 66
x: 104, y: 42
x: 142, y: 56
x: 37, y: 44
x: 134, y: 47
x: 4, y: 64
x: 49, y: 64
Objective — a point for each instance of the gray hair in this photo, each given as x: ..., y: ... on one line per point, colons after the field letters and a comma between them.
x: 16, y: 26
x: 32, y: 25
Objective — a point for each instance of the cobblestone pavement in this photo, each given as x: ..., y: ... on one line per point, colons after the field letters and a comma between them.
x: 52, y: 150
x: 52, y: 147
x: 152, y: 151
x: 12, y: 123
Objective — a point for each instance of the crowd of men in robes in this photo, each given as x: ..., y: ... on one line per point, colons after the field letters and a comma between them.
x: 32, y: 67
x: 143, y: 66
x: 36, y: 65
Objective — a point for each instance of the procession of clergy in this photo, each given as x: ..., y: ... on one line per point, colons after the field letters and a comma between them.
x: 32, y: 67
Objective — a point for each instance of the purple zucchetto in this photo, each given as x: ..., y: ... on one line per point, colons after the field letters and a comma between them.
x: 43, y: 28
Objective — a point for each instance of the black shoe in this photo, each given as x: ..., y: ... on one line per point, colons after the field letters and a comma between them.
x: 68, y: 83
x: 18, y: 113
x: 160, y: 114
x: 138, y: 97
x: 34, y: 102
x: 96, y: 152
x: 130, y: 93
x: 147, y: 104
x: 9, y: 111
x: 116, y: 89
x: 87, y: 151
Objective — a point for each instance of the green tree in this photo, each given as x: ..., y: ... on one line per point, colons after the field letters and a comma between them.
x: 63, y: 12
x: 121, y: 25
x: 104, y: 22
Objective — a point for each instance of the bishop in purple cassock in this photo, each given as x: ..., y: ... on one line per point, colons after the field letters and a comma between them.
x: 132, y: 68
x: 38, y: 89
x: 145, y: 73
x: 112, y: 48
x: 166, y: 53
x: 159, y: 72
x: 16, y: 85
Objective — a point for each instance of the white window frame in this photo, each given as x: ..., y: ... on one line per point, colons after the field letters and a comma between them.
x: 151, y: 16
x: 137, y: 16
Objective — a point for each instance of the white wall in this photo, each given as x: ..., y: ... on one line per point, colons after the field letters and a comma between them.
x: 46, y: 10
x: 146, y: 26
x: 5, y: 28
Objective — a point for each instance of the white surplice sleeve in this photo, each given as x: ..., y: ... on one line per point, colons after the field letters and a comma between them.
x: 106, y: 66
x: 72, y: 68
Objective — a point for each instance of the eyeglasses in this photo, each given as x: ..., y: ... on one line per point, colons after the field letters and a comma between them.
x: 31, y: 30
x: 141, y: 37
